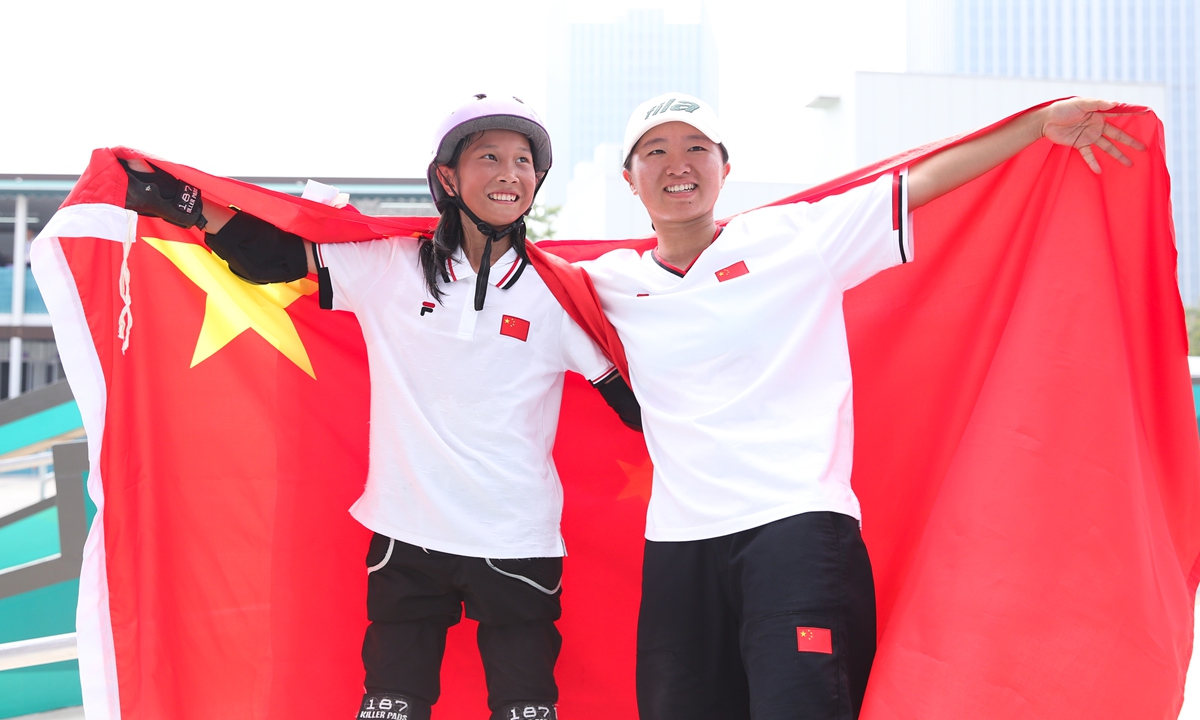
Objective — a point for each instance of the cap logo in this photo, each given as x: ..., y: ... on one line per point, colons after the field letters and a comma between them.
x: 682, y: 105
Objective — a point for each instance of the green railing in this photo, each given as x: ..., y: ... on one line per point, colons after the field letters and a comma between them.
x: 41, y: 550
x: 33, y: 297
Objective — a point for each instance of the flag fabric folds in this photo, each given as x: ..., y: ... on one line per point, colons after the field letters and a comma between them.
x: 1026, y: 457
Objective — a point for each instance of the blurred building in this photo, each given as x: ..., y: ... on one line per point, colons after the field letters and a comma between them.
x: 1114, y: 41
x: 28, y: 355
x: 599, y: 72
x: 938, y: 106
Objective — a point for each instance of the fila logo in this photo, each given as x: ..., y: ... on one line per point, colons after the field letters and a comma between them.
x: 682, y: 105
x: 737, y: 269
x: 427, y: 307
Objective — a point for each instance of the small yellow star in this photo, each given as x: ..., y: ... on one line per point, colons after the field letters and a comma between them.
x: 234, y: 305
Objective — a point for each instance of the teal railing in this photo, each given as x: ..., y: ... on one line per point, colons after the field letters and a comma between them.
x: 33, y: 298
x: 41, y: 549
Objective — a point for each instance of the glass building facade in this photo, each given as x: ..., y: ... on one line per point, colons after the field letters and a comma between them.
x: 606, y: 69
x: 1152, y: 41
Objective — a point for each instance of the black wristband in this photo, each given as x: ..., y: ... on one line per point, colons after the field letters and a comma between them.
x: 324, y: 281
x: 620, y: 398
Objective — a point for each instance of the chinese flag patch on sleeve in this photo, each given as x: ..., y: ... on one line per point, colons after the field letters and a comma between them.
x: 515, y: 327
x: 814, y: 640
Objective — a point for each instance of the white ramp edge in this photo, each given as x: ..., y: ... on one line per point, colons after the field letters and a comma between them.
x: 38, y: 651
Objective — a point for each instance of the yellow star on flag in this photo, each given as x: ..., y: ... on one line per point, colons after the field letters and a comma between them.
x: 234, y: 305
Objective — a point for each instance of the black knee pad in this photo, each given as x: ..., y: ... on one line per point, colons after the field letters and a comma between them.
x: 526, y: 710
x: 393, y: 706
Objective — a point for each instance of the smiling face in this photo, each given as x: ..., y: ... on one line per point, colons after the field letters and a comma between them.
x: 494, y: 176
x: 677, y: 172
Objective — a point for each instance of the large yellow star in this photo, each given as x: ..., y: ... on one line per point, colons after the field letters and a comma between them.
x: 234, y: 305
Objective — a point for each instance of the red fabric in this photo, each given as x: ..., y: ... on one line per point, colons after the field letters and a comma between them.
x: 1026, y: 456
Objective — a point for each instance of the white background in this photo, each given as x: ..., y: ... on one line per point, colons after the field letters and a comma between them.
x: 355, y: 88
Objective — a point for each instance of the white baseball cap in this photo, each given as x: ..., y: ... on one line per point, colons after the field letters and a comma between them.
x: 671, y: 107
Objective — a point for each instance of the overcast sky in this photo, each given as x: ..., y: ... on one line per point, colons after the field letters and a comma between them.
x: 355, y: 88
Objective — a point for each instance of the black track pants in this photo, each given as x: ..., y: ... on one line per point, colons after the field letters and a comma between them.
x: 414, y: 596
x: 769, y: 623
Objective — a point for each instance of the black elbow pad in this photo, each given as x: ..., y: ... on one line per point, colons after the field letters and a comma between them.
x: 619, y: 396
x: 258, y: 252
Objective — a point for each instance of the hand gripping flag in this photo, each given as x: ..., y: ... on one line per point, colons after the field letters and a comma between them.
x: 1026, y: 457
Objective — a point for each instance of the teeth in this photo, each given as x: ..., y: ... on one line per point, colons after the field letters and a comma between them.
x: 686, y: 187
x: 503, y: 197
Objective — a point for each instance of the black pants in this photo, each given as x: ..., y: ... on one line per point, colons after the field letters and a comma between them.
x: 415, y: 595
x: 773, y: 622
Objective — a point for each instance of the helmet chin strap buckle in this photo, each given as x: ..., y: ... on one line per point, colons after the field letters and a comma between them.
x: 515, y: 228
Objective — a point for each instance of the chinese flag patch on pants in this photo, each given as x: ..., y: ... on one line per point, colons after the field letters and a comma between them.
x: 515, y: 327
x: 815, y: 640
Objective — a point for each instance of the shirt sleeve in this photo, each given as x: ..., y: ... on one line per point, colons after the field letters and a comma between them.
x: 864, y: 230
x: 580, y: 353
x: 355, y: 267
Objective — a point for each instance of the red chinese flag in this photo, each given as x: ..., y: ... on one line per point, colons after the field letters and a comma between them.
x: 814, y: 640
x: 1026, y: 457
x: 737, y: 269
x: 514, y: 327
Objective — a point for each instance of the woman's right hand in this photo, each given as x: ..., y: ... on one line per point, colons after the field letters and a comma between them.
x: 157, y: 193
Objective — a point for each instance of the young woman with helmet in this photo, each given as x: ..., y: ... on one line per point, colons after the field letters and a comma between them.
x: 757, y: 593
x: 467, y: 351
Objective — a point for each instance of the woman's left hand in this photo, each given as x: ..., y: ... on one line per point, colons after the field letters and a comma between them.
x: 1081, y: 123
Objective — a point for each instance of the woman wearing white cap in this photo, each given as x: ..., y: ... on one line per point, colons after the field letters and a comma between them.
x: 758, y: 600
x: 461, y: 492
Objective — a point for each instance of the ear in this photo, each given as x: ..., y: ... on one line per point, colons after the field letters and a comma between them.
x: 445, y: 176
x: 725, y: 173
x: 629, y: 179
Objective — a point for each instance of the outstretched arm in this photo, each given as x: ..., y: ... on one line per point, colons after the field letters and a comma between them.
x: 218, y: 215
x: 1077, y: 122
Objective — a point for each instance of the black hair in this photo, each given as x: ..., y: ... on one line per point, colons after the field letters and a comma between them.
x: 448, y: 236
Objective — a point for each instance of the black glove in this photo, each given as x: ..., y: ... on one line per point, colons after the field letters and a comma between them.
x: 160, y: 194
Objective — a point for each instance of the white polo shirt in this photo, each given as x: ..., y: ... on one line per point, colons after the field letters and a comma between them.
x: 464, y: 404
x: 741, y: 363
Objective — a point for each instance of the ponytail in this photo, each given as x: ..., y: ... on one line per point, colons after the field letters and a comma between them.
x: 435, y: 253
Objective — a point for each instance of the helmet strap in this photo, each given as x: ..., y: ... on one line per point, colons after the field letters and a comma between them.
x: 515, y: 228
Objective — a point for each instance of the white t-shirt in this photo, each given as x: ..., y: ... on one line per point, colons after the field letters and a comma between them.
x: 464, y: 404
x: 741, y: 363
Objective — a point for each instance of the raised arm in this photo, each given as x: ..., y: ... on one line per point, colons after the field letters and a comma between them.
x: 217, y: 216
x: 1078, y: 122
